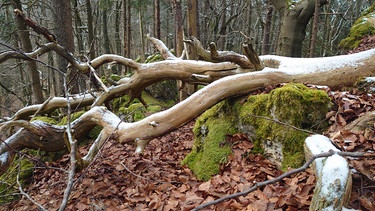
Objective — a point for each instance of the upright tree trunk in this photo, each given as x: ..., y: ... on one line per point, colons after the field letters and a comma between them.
x: 293, y: 25
x: 222, y: 28
x: 193, y: 30
x: 314, y: 29
x: 179, y: 34
x: 78, y: 27
x: 267, y: 30
x: 127, y: 27
x: 23, y: 32
x: 64, y: 35
x: 107, y: 43
x: 157, y: 19
x: 90, y: 29
x: 117, y: 33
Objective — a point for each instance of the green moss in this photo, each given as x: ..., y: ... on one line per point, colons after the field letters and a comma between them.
x: 294, y: 104
x: 209, y: 149
x: 8, y: 185
x: 136, y: 110
x: 73, y: 117
x: 95, y: 131
x: 362, y: 27
x: 154, y: 58
x: 46, y: 119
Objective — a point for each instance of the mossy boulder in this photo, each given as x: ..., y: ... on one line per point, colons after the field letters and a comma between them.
x: 364, y: 26
x: 209, y: 149
x: 274, y: 118
x: 269, y: 120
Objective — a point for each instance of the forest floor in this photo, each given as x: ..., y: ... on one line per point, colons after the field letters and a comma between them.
x: 119, y: 179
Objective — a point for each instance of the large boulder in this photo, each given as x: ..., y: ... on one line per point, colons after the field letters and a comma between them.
x: 276, y: 123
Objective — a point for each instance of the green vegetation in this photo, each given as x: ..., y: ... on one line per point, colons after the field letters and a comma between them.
x: 365, y: 25
x: 210, y: 149
x: 8, y: 185
x: 293, y: 104
x: 136, y: 110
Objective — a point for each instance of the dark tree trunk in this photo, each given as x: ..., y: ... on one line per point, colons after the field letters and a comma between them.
x: 315, y: 28
x: 157, y: 19
x: 90, y: 29
x: 64, y: 35
x: 27, y: 47
x: 178, y: 26
x: 266, y: 45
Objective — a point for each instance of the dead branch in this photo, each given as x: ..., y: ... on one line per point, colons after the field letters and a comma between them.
x: 220, y: 56
x: 32, y: 24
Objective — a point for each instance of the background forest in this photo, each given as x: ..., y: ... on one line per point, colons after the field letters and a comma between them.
x: 92, y: 28
x: 76, y: 42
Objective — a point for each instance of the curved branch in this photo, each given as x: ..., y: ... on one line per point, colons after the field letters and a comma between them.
x: 220, y: 56
x: 162, y: 48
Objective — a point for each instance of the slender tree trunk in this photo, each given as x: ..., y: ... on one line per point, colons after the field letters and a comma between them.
x: 36, y: 88
x: 157, y: 19
x: 107, y: 43
x: 178, y: 26
x: 117, y: 32
x: 223, y: 28
x: 127, y: 27
x: 78, y: 27
x: 315, y: 28
x: 90, y: 29
x: 267, y: 30
x: 193, y: 30
x: 64, y: 35
x: 141, y: 34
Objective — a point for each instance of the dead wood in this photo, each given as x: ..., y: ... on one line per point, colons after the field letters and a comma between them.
x: 321, y: 71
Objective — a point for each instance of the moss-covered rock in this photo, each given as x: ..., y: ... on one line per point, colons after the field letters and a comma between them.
x: 365, y: 25
x: 136, y: 110
x: 73, y: 117
x: 209, y: 149
x: 267, y: 119
x: 273, y: 115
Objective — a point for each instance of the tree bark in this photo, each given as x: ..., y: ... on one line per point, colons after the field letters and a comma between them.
x: 27, y: 47
x: 293, y: 25
x: 90, y: 30
x: 315, y: 28
x: 157, y: 19
x: 179, y: 31
x: 62, y: 16
x: 266, y: 45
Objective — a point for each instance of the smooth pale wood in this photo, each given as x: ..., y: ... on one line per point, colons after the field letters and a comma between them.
x: 334, y: 200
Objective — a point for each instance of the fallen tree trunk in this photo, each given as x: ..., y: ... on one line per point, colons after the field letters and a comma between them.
x: 332, y: 71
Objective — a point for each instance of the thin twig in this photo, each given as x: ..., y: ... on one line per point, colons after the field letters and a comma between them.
x: 282, y: 123
x: 73, y: 160
x: 134, y: 174
x: 279, y: 178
